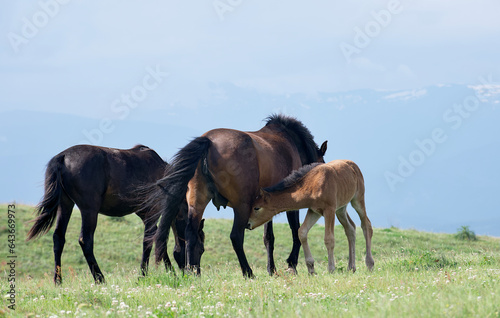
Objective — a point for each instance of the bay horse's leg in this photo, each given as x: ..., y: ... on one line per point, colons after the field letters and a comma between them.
x: 179, y: 229
x: 311, y: 219
x: 366, y: 225
x: 350, y: 232
x: 269, y: 243
x: 293, y: 221
x: 89, y: 223
x: 59, y: 237
x: 241, y: 215
x: 329, y: 215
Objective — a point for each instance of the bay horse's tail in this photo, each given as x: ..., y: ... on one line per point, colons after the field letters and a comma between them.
x: 173, y: 187
x: 47, y: 209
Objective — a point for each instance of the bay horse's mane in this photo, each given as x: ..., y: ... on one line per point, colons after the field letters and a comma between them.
x: 299, y: 134
x: 293, y: 178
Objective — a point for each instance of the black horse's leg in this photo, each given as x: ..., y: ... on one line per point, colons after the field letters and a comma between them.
x: 64, y: 214
x: 293, y: 221
x: 238, y: 237
x: 166, y: 261
x: 89, y: 223
x: 269, y: 243
x: 149, y: 230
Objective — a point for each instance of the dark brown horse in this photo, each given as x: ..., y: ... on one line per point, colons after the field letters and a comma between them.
x: 229, y: 167
x: 98, y: 180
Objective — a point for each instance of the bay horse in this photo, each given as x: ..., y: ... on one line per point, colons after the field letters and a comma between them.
x: 99, y: 180
x: 228, y: 167
x: 325, y: 190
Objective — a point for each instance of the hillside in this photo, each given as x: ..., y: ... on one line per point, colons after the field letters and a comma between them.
x: 412, y: 268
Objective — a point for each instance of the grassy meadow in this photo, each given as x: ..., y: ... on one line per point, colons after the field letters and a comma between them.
x: 416, y: 274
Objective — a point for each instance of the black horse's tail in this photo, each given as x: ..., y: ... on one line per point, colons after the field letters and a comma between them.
x: 47, y: 209
x: 173, y: 187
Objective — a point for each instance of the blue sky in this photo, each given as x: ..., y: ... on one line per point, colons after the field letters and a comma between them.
x: 371, y: 77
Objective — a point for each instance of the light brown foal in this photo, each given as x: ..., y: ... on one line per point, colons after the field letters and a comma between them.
x: 325, y: 190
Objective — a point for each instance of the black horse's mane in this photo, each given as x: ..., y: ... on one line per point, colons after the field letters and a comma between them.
x: 299, y: 134
x: 292, y: 178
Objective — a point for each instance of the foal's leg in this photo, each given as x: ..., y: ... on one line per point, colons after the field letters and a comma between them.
x: 350, y: 232
x: 59, y: 237
x: 293, y: 221
x: 269, y: 243
x: 329, y: 215
x: 311, y: 219
x: 366, y: 225
x: 89, y: 223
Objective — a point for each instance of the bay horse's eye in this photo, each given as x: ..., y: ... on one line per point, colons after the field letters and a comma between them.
x: 256, y: 209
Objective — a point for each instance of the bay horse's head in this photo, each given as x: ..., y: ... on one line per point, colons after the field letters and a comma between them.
x: 195, y: 246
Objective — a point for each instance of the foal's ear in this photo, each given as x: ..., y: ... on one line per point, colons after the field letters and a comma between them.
x: 261, y: 193
x: 322, y: 150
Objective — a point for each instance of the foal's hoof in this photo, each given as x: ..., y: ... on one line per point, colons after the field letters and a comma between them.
x: 370, y: 263
x: 291, y: 270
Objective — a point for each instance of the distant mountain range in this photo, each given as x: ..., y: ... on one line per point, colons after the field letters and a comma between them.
x: 429, y: 156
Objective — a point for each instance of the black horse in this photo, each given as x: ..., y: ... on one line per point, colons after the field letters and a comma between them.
x: 101, y: 180
x: 229, y: 167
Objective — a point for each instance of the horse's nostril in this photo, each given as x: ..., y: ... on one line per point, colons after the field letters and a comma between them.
x: 248, y: 226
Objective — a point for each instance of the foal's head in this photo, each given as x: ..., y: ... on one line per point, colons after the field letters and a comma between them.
x: 262, y: 211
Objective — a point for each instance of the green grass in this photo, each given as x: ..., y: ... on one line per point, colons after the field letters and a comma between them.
x: 464, y: 233
x: 416, y: 274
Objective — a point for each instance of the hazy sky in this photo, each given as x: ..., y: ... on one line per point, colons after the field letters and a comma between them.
x: 77, y: 56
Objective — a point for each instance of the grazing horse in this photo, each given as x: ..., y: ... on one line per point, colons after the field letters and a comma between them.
x: 98, y: 180
x: 228, y: 167
x: 325, y: 189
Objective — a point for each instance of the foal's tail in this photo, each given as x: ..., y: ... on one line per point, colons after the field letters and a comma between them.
x: 47, y: 209
x: 173, y: 187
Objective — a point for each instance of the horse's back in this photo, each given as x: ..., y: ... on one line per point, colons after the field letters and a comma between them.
x: 346, y: 177
x: 245, y: 161
x: 105, y: 178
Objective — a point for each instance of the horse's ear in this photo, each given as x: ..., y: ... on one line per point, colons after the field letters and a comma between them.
x: 262, y: 193
x: 322, y: 150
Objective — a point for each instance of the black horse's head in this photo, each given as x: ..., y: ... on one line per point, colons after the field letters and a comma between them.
x: 195, y: 245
